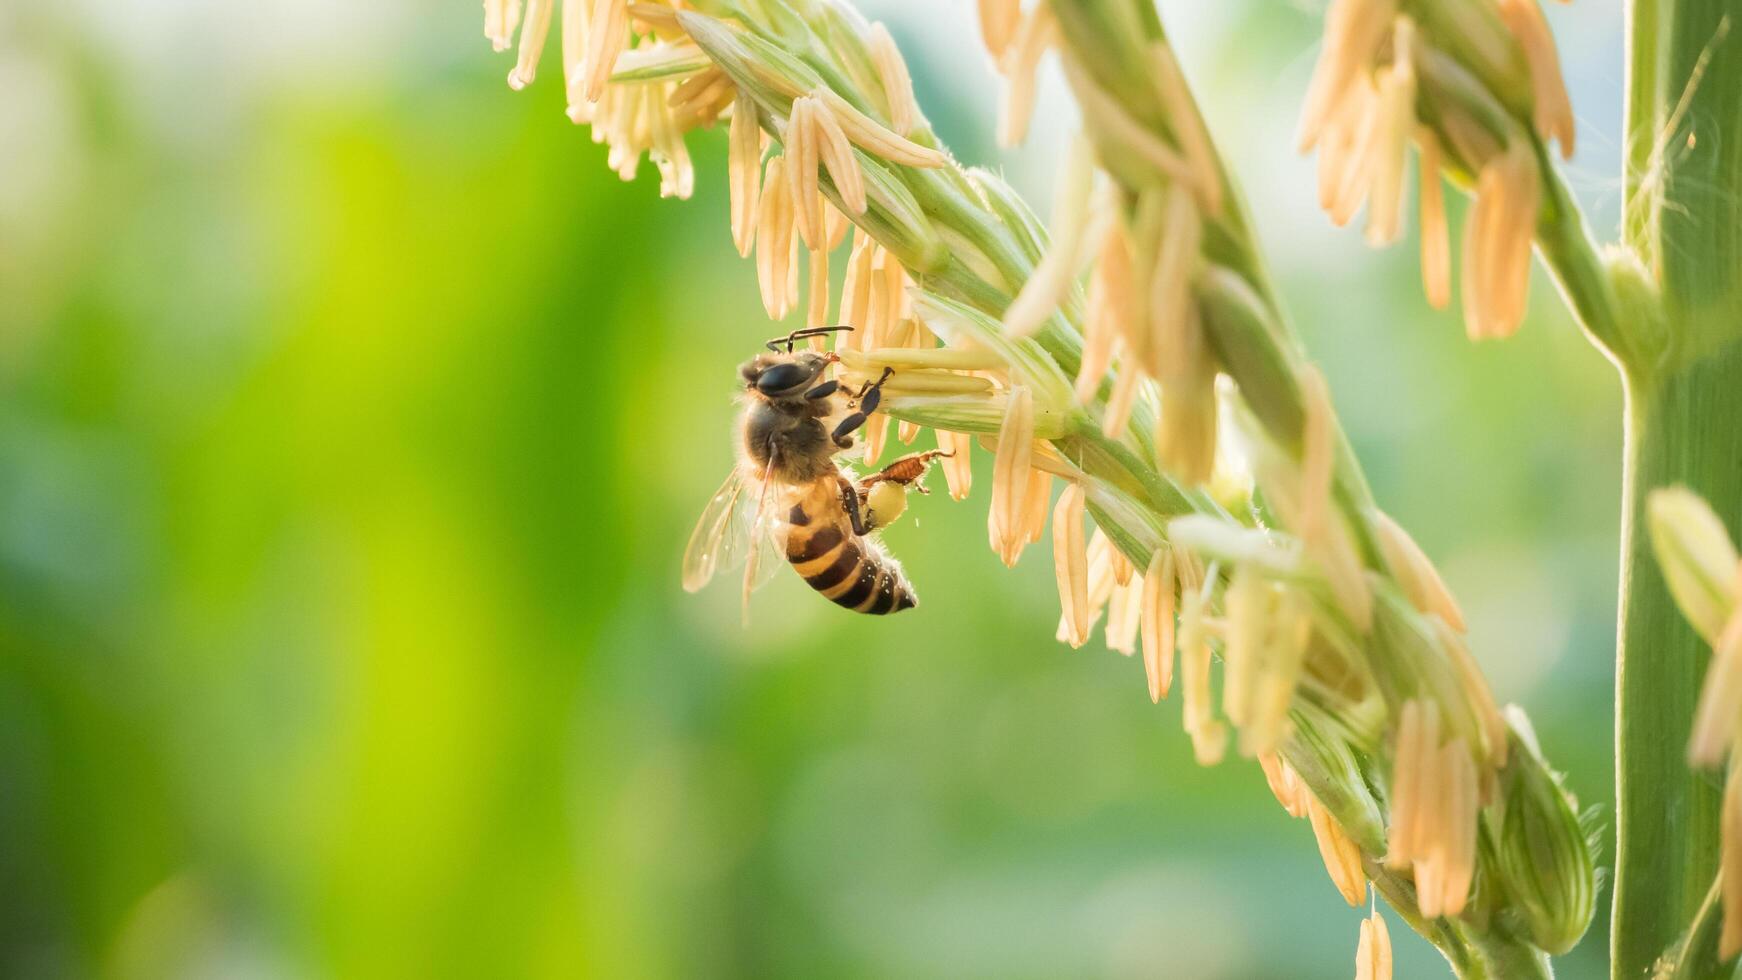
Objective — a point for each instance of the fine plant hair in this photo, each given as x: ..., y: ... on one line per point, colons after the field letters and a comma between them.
x: 1135, y: 349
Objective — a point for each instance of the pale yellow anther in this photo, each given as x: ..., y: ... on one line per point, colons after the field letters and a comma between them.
x: 1017, y: 63
x: 574, y: 53
x: 533, y: 32
x: 1497, y: 241
x: 998, y: 22
x: 607, y: 37
x: 1160, y: 598
x: 1415, y: 747
x: 1185, y: 443
x: 1373, y: 951
x: 1436, y: 250
x: 1115, y: 278
x: 1209, y: 735
x: 1074, y: 224
x: 1435, y: 798
x: 817, y: 300
x: 1354, y: 31
x: 904, y: 113
x: 1071, y: 564
x: 1038, y: 498
x: 802, y: 160
x: 1117, y: 132
x: 1248, y: 602
x: 855, y: 306
x: 958, y: 467
x: 501, y: 17
x: 1554, y: 112
x: 744, y: 172
x: 1101, y: 584
x: 1124, y: 608
x: 1341, y: 855
x: 815, y: 143
x: 875, y: 138
x: 775, y: 240
x: 1182, y: 111
x: 1730, y: 865
x: 1718, y: 717
x: 1177, y: 339
x: 1125, y: 386
x: 1010, y: 476
x: 1477, y: 693
x: 1394, y: 120
x: 1420, y: 580
x: 1099, y: 335
x: 836, y: 226
x: 1285, y: 784
x: 874, y: 435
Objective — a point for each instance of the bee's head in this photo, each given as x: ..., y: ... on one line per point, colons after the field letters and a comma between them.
x: 784, y: 375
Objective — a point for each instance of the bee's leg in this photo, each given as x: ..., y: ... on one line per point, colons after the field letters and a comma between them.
x: 843, y: 434
x: 869, y: 395
x: 823, y: 390
x: 906, y: 471
x: 871, y: 386
x: 850, y: 504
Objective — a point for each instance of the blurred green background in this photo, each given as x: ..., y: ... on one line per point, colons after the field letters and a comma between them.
x: 352, y: 419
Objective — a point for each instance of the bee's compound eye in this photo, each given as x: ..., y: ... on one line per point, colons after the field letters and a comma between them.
x: 780, y: 377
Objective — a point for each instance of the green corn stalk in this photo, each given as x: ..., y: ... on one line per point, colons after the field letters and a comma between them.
x: 1682, y: 373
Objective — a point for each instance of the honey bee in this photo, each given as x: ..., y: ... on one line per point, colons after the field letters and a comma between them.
x: 789, y: 501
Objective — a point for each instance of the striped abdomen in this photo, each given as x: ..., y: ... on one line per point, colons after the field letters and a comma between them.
x: 846, y: 568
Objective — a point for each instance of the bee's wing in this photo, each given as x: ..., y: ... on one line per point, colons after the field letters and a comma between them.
x: 722, y: 537
x: 767, y: 538
x: 740, y: 526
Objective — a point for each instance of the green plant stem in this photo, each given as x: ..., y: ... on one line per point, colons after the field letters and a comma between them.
x: 1684, y: 426
x: 1573, y: 260
x: 1472, y: 954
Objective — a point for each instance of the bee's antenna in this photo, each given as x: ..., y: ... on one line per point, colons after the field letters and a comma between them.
x: 792, y: 338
